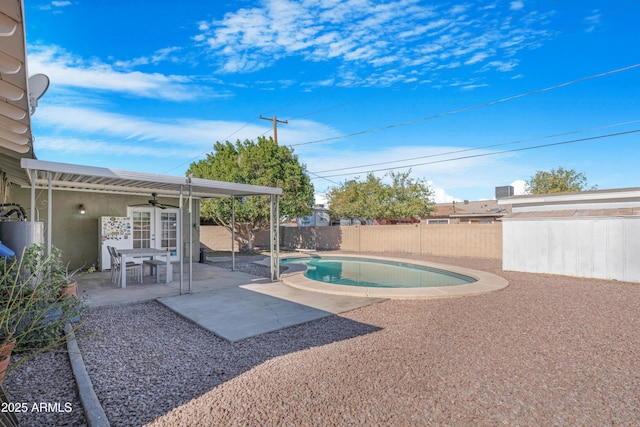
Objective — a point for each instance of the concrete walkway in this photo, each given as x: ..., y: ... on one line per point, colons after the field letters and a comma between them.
x: 233, y: 305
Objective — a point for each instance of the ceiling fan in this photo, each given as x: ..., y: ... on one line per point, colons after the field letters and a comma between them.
x: 156, y: 203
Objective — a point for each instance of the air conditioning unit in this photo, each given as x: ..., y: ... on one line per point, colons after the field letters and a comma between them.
x: 504, y: 191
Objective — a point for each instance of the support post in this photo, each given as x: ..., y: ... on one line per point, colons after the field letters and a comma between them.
x: 233, y: 233
x: 49, y: 212
x: 274, y: 237
x: 181, y: 242
x: 190, y: 233
x: 32, y: 215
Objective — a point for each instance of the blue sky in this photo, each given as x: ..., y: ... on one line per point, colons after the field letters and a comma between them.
x: 364, y: 86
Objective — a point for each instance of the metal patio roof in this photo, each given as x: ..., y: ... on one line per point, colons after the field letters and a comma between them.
x: 16, y: 141
x: 65, y: 176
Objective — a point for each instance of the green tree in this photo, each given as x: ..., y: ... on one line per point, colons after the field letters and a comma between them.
x: 557, y: 181
x: 263, y: 163
x: 405, y: 197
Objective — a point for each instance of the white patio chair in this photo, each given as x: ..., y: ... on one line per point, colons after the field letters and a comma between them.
x: 116, y: 265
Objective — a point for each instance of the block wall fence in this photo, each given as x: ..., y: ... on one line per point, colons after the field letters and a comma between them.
x: 465, y: 240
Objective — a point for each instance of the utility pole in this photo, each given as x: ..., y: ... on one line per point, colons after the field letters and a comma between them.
x: 275, y: 125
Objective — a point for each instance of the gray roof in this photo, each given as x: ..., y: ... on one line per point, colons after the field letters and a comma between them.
x: 16, y: 141
x: 575, y: 214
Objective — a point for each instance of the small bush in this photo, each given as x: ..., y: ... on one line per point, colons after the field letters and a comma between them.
x: 32, y: 307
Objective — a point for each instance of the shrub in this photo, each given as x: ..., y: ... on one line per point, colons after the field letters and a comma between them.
x: 32, y: 307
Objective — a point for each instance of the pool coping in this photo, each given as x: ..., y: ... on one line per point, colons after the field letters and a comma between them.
x: 485, y: 282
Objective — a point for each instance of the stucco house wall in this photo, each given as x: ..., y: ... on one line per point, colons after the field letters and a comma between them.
x: 592, y: 234
x: 78, y: 235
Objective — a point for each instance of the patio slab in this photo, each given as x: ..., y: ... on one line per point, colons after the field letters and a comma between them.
x: 245, y: 311
x: 231, y: 304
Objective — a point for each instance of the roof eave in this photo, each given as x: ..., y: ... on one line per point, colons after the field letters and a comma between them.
x: 15, y: 121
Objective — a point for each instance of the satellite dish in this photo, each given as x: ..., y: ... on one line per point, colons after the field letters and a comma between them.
x: 38, y: 85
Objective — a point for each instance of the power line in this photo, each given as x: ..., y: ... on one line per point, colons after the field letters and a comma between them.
x: 480, y: 148
x: 489, y: 154
x: 322, y: 177
x: 473, y: 107
x: 208, y: 149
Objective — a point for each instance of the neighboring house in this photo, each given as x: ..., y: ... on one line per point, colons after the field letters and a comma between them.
x: 586, y: 234
x: 472, y: 212
x: 396, y: 221
x: 62, y: 204
x: 318, y: 218
x: 468, y: 212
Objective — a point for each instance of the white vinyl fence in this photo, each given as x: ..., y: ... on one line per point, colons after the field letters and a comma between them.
x: 605, y: 248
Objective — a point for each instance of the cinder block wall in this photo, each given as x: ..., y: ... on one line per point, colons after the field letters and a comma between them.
x: 216, y: 238
x: 467, y: 240
x: 389, y: 238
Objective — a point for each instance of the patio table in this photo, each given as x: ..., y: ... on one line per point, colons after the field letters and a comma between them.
x: 141, y: 253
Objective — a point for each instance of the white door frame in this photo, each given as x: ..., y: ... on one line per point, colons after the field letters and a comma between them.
x: 156, y: 226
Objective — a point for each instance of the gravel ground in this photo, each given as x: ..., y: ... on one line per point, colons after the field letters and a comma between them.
x: 44, y: 390
x: 547, y: 350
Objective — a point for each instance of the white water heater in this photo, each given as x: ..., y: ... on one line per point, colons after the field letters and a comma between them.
x: 19, y: 235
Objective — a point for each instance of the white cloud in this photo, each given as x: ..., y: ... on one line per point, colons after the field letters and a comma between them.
x: 592, y: 21
x: 56, y: 5
x: 474, y: 86
x: 366, y: 37
x: 459, y: 9
x: 161, y: 55
x: 321, y: 199
x: 516, y: 5
x: 71, y: 71
x: 504, y: 66
x: 104, y: 148
x: 440, y: 195
x: 478, y: 57
x: 178, y: 131
x: 518, y: 187
x: 88, y: 131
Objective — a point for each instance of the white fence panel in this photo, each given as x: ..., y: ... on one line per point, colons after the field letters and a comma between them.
x: 606, y: 248
x: 632, y: 250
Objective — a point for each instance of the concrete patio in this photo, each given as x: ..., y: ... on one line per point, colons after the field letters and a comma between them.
x: 232, y: 304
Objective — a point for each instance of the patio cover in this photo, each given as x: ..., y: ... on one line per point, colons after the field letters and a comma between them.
x: 105, y: 180
x: 64, y: 176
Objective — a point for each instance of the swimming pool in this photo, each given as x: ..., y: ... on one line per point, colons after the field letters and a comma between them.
x: 397, y: 272
x: 376, y: 273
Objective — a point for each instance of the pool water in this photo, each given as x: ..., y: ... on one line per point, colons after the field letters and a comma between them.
x: 376, y: 273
